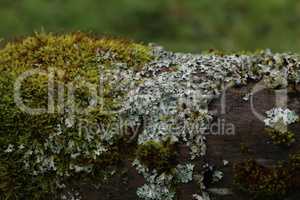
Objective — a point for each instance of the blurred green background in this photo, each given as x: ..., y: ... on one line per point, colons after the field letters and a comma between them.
x: 179, y: 25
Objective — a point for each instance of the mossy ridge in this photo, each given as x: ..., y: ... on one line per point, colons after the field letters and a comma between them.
x: 70, y: 50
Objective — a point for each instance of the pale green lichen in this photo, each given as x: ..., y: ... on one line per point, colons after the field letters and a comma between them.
x: 161, y: 186
x: 278, y: 120
x: 184, y: 173
x: 157, y: 186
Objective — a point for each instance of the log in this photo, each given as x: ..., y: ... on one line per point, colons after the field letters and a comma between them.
x: 121, y: 120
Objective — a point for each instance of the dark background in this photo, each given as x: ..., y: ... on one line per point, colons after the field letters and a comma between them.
x: 179, y: 25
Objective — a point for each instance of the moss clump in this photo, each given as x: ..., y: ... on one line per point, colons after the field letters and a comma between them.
x: 39, y: 151
x: 159, y: 156
x: 267, y: 182
x: 74, y: 57
x: 294, y: 168
x: 281, y: 138
x: 294, y: 161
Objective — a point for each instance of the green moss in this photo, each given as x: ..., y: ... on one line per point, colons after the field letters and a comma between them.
x: 75, y: 55
x: 72, y: 58
x: 159, y: 156
x: 262, y: 182
x: 268, y: 182
x: 71, y: 51
x: 244, y: 149
x: 294, y: 161
x: 294, y: 169
x: 281, y: 138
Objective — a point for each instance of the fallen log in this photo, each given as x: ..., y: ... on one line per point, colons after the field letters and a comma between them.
x: 101, y: 118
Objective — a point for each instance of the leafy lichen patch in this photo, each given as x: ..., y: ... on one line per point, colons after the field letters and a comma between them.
x: 277, y: 122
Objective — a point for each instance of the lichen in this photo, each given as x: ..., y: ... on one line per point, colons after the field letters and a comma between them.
x: 161, y: 186
x: 184, y: 173
x: 279, y: 118
x: 277, y: 122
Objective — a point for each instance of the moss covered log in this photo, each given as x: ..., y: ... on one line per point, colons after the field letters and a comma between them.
x: 79, y: 110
